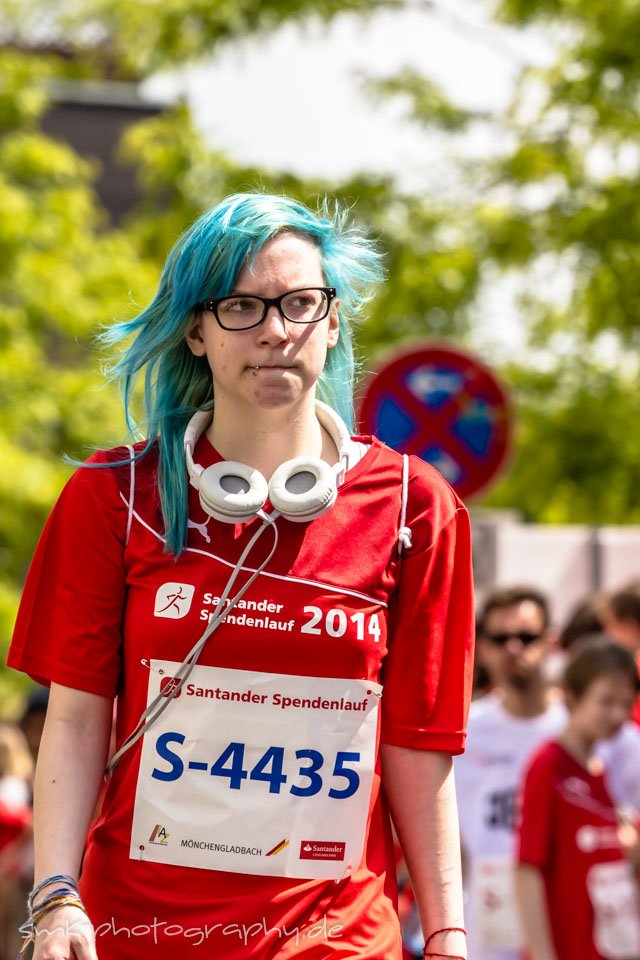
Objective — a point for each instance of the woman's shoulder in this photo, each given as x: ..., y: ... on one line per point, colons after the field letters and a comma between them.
x: 121, y: 456
x: 112, y: 470
x: 143, y: 454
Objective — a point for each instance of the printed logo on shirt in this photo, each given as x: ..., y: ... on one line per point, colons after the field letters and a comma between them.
x: 576, y: 786
x: 173, y: 600
x: 316, y: 850
x: 159, y: 835
x: 590, y: 838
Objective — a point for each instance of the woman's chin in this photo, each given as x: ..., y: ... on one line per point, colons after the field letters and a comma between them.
x: 283, y: 393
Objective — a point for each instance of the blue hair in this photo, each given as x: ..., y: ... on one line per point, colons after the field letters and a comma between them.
x: 204, y: 263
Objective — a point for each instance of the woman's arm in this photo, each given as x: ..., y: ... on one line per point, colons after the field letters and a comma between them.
x: 533, y: 912
x: 70, y: 766
x: 420, y: 791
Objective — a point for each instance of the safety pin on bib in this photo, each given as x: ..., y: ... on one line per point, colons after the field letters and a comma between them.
x: 147, y: 663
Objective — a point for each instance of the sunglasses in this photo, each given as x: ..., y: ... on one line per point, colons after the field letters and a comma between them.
x: 524, y: 636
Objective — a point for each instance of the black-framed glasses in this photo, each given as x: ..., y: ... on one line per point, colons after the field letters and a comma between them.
x: 240, y: 312
x: 502, y: 639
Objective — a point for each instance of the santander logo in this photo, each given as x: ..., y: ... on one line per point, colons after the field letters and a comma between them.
x: 167, y: 684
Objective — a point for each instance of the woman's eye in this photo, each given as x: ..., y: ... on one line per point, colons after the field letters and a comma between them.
x: 301, y: 302
x: 240, y: 306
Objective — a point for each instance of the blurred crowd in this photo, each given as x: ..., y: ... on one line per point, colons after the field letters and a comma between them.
x: 549, y: 785
x: 19, y: 743
x: 548, y: 788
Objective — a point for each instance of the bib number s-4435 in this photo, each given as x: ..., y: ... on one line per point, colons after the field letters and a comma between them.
x: 258, y: 773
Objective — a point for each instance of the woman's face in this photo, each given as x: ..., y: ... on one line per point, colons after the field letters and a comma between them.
x: 277, y: 363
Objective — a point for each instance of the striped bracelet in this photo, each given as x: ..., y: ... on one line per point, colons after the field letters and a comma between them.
x: 65, y: 897
x: 47, y: 882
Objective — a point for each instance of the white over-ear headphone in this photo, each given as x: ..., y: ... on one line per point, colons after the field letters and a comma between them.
x: 299, y: 490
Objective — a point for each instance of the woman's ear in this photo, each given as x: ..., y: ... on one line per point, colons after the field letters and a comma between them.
x: 194, y: 337
x: 333, y: 334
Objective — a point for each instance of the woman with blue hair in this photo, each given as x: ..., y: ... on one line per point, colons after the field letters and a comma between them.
x: 282, y: 613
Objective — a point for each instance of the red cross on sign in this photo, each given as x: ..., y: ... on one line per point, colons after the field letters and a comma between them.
x: 445, y: 406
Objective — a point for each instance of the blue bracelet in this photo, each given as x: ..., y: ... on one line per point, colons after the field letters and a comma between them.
x: 56, y: 878
x: 60, y: 892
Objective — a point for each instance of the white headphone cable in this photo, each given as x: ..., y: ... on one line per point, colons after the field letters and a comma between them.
x: 160, y: 703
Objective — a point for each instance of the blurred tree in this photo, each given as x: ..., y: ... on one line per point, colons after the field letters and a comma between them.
x: 131, y: 38
x: 66, y: 270
x: 63, y: 273
x: 564, y: 197
x: 577, y: 452
x: 432, y: 254
x: 581, y: 152
x: 578, y: 154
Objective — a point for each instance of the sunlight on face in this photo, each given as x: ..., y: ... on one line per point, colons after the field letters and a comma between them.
x: 277, y: 363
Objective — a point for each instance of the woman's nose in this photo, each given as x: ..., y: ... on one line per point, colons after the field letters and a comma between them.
x: 274, y: 327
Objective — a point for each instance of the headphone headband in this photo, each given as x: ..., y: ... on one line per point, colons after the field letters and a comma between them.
x: 244, y: 502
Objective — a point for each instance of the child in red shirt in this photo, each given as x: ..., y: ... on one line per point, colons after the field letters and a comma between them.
x: 577, y: 891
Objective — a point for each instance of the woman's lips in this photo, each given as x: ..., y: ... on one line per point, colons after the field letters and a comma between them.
x: 271, y: 366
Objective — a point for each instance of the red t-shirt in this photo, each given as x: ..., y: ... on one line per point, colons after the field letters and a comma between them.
x: 91, y: 619
x: 568, y: 831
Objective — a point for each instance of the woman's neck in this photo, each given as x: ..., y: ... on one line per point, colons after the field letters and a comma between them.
x: 270, y: 437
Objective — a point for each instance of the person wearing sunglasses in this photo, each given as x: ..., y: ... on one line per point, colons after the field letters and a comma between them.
x: 514, y: 642
x: 284, y: 613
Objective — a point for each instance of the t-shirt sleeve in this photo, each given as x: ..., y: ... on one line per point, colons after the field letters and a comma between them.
x: 69, y: 624
x: 536, y: 813
x: 427, y: 674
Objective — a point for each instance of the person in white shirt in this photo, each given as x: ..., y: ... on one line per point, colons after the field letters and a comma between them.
x: 505, y: 727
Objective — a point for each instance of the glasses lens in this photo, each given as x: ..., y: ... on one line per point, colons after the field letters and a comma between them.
x: 524, y: 636
x: 237, y: 313
x: 305, y: 306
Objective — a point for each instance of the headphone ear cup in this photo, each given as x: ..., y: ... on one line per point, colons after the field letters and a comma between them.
x: 303, y: 489
x: 232, y: 492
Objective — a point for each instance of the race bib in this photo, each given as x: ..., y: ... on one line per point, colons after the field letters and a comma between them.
x: 257, y: 773
x: 494, y: 904
x: 616, y: 908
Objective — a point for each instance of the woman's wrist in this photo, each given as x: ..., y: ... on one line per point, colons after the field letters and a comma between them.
x: 48, y: 896
x: 49, y: 884
x: 446, y: 942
